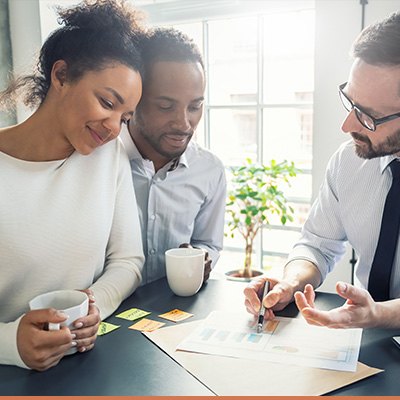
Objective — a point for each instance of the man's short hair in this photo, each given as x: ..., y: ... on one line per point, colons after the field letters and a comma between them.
x: 169, y: 44
x: 379, y: 43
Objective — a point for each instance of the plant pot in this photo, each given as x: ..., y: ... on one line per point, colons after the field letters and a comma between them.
x: 237, y: 275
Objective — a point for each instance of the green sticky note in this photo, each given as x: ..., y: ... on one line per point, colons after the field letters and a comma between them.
x: 105, y: 327
x: 133, y: 314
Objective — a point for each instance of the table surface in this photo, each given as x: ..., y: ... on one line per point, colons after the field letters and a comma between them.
x: 125, y: 363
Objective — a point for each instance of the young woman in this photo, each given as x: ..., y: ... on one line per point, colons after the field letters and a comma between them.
x: 68, y: 217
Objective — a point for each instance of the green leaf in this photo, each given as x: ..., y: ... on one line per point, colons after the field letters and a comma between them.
x: 255, y: 193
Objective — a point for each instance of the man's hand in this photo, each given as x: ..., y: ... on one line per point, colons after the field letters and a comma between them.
x: 85, y: 333
x: 359, y: 311
x: 40, y: 349
x: 279, y: 296
x: 207, y: 260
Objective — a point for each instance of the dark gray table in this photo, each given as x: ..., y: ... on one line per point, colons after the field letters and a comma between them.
x: 126, y: 363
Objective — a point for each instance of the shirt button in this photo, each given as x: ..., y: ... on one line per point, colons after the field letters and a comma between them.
x: 152, y: 251
x: 153, y: 217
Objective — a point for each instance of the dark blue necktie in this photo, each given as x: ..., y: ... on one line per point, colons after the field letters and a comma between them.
x: 379, y: 277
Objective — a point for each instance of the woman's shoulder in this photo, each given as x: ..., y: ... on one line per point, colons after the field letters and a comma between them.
x: 7, y: 144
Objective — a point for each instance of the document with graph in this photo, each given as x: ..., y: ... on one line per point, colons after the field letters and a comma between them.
x: 283, y: 340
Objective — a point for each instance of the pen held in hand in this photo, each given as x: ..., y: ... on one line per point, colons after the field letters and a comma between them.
x: 262, y: 308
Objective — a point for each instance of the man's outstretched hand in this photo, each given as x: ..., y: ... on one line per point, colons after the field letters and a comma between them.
x: 359, y: 311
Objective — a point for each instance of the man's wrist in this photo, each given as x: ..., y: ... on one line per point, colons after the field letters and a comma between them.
x: 301, y: 272
x: 386, y: 314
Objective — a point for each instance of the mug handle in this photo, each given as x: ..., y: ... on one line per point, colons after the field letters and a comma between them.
x: 53, y: 327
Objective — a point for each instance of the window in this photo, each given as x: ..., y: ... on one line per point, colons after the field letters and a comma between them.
x: 259, y: 105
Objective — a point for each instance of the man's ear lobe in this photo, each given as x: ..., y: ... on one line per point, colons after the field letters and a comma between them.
x: 59, y: 74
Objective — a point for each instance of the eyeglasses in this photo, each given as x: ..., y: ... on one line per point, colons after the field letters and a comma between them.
x: 365, y: 119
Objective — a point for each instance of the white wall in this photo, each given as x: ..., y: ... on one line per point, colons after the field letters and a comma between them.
x: 25, y: 33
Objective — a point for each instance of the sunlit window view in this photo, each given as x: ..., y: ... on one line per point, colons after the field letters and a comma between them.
x: 260, y: 73
x: 259, y: 105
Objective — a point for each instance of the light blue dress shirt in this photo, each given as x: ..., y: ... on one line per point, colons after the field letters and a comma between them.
x: 186, y: 205
x: 349, y: 208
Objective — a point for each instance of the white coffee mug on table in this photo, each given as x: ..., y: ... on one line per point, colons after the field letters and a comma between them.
x: 72, y: 302
x: 185, y: 270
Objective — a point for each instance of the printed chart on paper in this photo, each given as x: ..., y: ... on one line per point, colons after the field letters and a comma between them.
x: 283, y: 340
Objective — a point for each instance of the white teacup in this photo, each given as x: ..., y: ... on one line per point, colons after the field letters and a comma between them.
x: 72, y: 302
x: 185, y: 270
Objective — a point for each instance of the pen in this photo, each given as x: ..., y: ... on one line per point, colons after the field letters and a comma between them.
x: 262, y: 309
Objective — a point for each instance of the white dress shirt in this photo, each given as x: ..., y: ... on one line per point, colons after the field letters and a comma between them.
x: 349, y: 208
x: 185, y: 205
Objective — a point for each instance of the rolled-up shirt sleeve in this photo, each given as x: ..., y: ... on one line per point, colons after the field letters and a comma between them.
x: 323, y: 238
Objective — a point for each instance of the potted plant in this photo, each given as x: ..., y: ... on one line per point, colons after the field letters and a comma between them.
x: 253, y: 199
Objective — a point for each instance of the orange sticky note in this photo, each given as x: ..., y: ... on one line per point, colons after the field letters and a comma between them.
x: 147, y: 325
x: 271, y: 325
x: 176, y: 315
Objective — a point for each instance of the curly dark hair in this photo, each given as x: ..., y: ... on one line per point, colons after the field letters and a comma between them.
x: 379, y: 43
x: 93, y: 35
x: 168, y: 44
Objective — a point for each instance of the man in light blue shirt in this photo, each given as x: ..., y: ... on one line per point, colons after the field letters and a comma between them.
x: 352, y: 198
x: 180, y: 187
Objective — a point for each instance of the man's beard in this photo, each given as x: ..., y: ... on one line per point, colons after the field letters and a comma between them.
x: 390, y: 146
x: 156, y: 142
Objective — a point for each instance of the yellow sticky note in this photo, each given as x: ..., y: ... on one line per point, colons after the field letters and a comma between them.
x: 176, y: 315
x: 147, y: 325
x: 133, y: 314
x: 105, y: 327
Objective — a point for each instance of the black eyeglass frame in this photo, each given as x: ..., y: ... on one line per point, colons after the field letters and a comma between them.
x: 375, y: 121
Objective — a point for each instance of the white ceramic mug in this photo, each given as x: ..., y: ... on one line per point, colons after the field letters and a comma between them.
x: 185, y: 270
x: 72, y: 302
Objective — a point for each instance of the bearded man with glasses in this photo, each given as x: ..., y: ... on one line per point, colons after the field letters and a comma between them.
x: 359, y: 201
x: 367, y: 120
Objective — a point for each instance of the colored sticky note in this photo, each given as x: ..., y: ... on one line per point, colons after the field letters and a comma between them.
x: 105, y: 327
x: 176, y: 315
x: 133, y: 314
x: 271, y: 326
x: 147, y: 325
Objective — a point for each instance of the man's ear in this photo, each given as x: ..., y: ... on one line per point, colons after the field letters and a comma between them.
x: 59, y: 74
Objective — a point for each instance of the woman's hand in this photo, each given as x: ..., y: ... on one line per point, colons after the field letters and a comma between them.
x: 85, y: 332
x: 41, y: 349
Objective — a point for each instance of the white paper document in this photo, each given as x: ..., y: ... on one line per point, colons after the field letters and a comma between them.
x: 283, y: 340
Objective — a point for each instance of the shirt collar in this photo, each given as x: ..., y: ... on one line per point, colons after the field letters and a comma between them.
x: 386, y: 160
x: 183, y: 159
x: 133, y: 152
